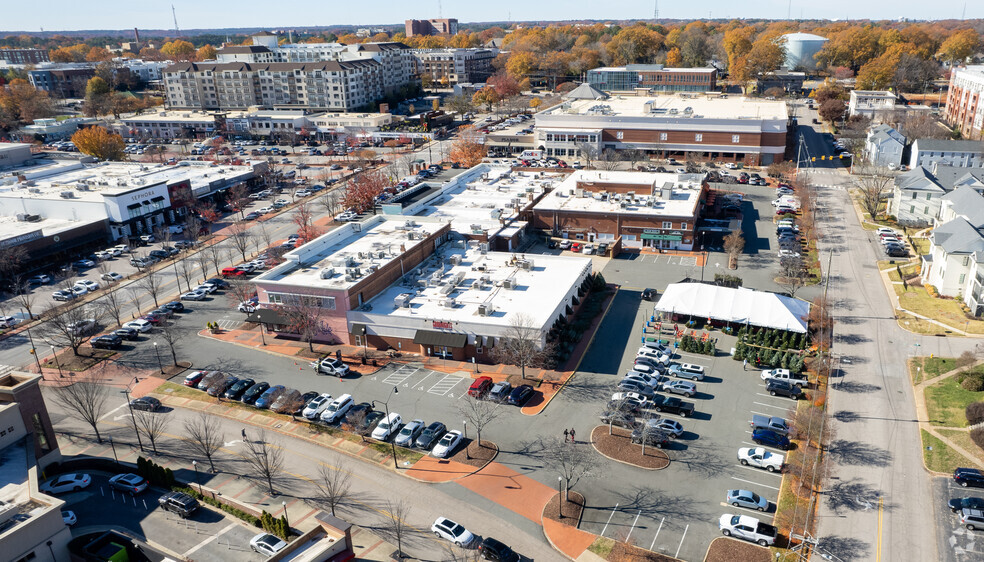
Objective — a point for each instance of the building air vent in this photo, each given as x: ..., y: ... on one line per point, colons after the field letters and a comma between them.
x: 456, y: 259
x: 67, y: 195
x: 448, y: 303
x: 508, y: 284
x: 327, y: 273
x: 485, y: 310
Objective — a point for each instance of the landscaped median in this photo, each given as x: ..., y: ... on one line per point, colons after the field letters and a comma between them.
x: 724, y: 549
x: 615, y: 443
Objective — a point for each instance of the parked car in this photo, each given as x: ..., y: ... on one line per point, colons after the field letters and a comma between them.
x: 685, y: 388
x: 178, y: 502
x: 637, y: 387
x: 387, y: 427
x: 673, y: 405
x: 500, y: 391
x: 521, y: 394
x: 108, y: 341
x: 209, y: 378
x: 972, y: 519
x: 760, y: 458
x: 633, y: 400
x: 337, y: 409
x: 313, y: 409
x: 221, y: 384
x: 448, y: 530
x: 196, y: 295
x: 269, y: 396
x: 66, y: 483
x: 254, y: 392
x: 370, y: 422
x: 332, y: 366
x: 193, y: 378
x: 266, y: 544
x: 670, y: 427
x: 496, y: 551
x: 447, y: 444
x: 431, y: 435
x: 480, y: 387
x: 651, y: 434
x: 409, y: 433
x: 69, y: 518
x: 956, y: 504
x: 358, y: 413
x: 130, y: 483
x: 770, y: 438
x: 146, y: 404
x: 111, y: 276
x: 620, y: 418
x: 747, y: 528
x: 747, y: 499
x: 140, y: 325
x: 288, y: 402
x: 777, y: 425
x: 783, y: 388
x: 687, y: 371
x: 63, y: 295
x: 236, y: 390
x: 969, y: 477
x: 174, y: 306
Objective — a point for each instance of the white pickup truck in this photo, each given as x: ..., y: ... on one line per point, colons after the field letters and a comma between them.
x: 785, y: 375
x: 760, y: 458
x: 747, y: 528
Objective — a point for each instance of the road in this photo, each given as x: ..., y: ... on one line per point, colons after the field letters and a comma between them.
x: 877, y: 499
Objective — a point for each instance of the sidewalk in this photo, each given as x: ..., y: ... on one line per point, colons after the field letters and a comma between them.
x: 922, y: 414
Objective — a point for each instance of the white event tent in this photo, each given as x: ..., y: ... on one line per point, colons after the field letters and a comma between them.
x: 739, y: 306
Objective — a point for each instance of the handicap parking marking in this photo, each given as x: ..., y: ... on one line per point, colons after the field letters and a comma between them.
x: 400, y: 375
x: 688, y: 261
x: 418, y: 384
x: 445, y: 384
x: 755, y: 483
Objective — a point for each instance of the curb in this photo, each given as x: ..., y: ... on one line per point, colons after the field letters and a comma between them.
x: 544, y: 529
x: 626, y: 462
x: 723, y: 538
x: 472, y: 473
x: 202, y: 334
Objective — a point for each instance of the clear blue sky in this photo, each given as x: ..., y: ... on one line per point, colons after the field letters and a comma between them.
x: 53, y: 15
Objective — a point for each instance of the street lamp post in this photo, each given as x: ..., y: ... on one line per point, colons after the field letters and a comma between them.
x: 34, y: 350
x: 286, y: 518
x: 113, y: 445
x: 57, y: 363
x: 464, y: 425
x: 158, y: 353
x: 386, y: 405
x: 126, y: 392
x: 197, y: 481
x: 560, y: 496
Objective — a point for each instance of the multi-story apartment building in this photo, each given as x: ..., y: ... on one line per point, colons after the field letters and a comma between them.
x: 68, y: 80
x: 959, y: 153
x: 873, y: 104
x: 653, y: 77
x: 702, y: 127
x: 442, y: 26
x: 459, y: 66
x: 964, y: 108
x: 23, y: 56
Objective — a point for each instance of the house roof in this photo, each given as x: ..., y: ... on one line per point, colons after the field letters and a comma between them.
x: 586, y: 92
x: 918, y: 179
x: 243, y: 50
x: 951, y: 145
x: 958, y: 237
x: 883, y: 133
x: 967, y: 203
x: 951, y: 177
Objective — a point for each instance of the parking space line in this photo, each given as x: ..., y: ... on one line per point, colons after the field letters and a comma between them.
x: 421, y: 381
x: 759, y: 470
x: 755, y: 483
x: 763, y: 446
x: 195, y: 548
x: 757, y: 512
x: 632, y: 528
x: 609, y: 520
x: 771, y: 406
x: 658, y: 529
x: 761, y: 414
x: 445, y: 384
x: 685, y: 529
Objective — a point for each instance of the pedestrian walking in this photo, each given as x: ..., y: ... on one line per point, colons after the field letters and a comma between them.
x: 572, y: 436
x: 566, y: 435
x: 744, y: 365
x: 244, y: 436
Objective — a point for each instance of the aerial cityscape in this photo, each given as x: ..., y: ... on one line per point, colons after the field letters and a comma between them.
x: 495, y: 282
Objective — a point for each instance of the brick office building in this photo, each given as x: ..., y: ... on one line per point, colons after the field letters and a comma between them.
x: 637, y: 210
x: 964, y: 106
x: 717, y: 128
x: 23, y: 56
x: 441, y: 26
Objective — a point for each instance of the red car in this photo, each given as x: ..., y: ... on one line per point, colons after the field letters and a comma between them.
x: 480, y: 387
x: 576, y: 247
x: 785, y: 211
x: 194, y: 378
x: 153, y: 318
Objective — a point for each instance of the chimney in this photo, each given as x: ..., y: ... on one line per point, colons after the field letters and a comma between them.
x: 136, y: 35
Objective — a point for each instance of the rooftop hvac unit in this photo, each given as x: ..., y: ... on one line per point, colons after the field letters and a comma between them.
x: 485, y: 309
x: 34, y: 190
x: 381, y: 254
x: 623, y: 204
x: 526, y: 264
x: 403, y: 300
x: 344, y: 261
x: 483, y: 247
x: 362, y: 256
x: 485, y: 279
x: 327, y: 272
x: 22, y: 217
x: 410, y: 224
x: 348, y: 277
x: 456, y: 259
x: 67, y: 195
x: 458, y: 278
x: 447, y: 289
x: 82, y: 187
x: 448, y: 303
x: 508, y: 284
x: 476, y: 284
x: 371, y: 269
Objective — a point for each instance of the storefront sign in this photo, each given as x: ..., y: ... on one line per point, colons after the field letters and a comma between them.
x: 670, y: 237
x: 21, y: 239
x: 439, y: 325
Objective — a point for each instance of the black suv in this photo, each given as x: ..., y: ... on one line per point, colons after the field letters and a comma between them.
x: 254, y: 392
x: 783, y: 388
x: 673, y: 405
x: 238, y: 388
x: 178, y: 502
x: 109, y: 341
x: 969, y: 477
x: 492, y: 549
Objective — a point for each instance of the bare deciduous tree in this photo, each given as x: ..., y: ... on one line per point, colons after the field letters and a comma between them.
x: 217, y: 254
x: 734, y: 244
x: 304, y: 318
x: 187, y: 271
x: 398, y: 512
x: 793, y: 275
x: 171, y: 335
x: 84, y: 399
x: 240, y: 236
x: 264, y: 459
x: 479, y: 414
x: 205, y: 436
x: 332, y: 201
x: 202, y: 259
x: 522, y: 344
x: 152, y: 284
x: 588, y: 151
x: 570, y: 461
x: 71, y: 327
x: 334, y: 482
x: 152, y: 425
x: 240, y: 290
x: 609, y: 159
x: 23, y: 297
x: 112, y: 304
x: 871, y: 181
x: 136, y: 296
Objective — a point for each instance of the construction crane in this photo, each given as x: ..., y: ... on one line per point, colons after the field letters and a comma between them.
x: 177, y: 32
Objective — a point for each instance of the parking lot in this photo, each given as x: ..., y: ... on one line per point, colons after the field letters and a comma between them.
x: 206, y: 535
x: 956, y: 543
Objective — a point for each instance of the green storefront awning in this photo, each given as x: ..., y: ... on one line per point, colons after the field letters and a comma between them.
x: 439, y: 339
x: 671, y: 237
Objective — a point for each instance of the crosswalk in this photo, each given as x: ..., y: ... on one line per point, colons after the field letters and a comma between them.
x: 230, y: 324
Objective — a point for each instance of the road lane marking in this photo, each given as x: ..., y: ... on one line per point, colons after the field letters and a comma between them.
x: 878, y: 544
x: 609, y: 520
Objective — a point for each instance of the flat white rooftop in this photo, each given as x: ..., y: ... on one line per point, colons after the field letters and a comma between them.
x: 330, y: 261
x: 492, y: 196
x: 652, y: 198
x: 675, y: 106
x: 474, y: 280
x: 171, y: 117
x: 11, y: 227
x: 114, y: 178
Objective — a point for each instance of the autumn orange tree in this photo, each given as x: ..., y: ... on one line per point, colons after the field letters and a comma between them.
x: 304, y: 219
x: 205, y: 52
x: 98, y: 142
x: 178, y: 49
x: 469, y: 148
x: 487, y: 96
x: 20, y: 103
x: 505, y: 85
x: 363, y: 189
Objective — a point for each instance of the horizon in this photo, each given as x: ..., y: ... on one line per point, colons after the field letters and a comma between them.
x: 62, y: 16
